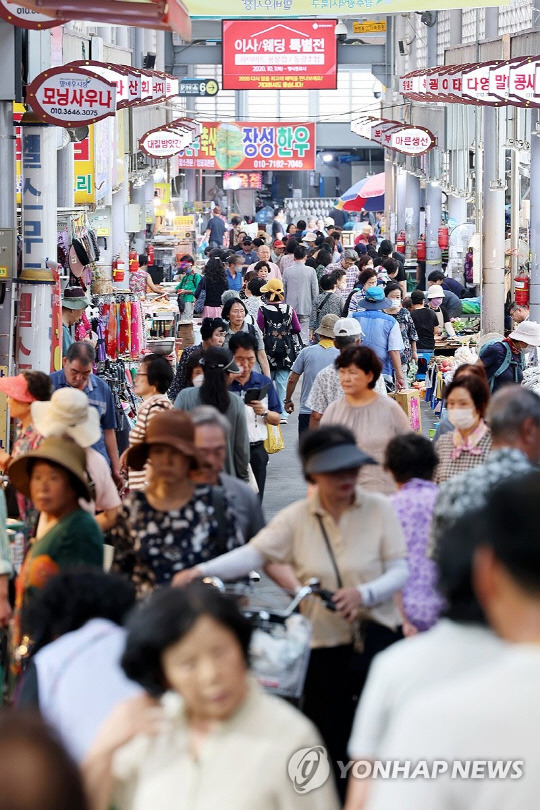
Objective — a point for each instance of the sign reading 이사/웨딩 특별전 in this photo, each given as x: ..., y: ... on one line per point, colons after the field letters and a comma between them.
x: 252, y: 146
x: 279, y: 55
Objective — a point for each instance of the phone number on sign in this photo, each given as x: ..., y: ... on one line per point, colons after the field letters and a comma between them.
x: 64, y: 111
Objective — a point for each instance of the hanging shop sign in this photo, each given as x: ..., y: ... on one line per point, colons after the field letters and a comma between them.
x: 23, y: 17
x: 404, y: 138
x: 369, y: 27
x: 197, y: 87
x: 496, y: 83
x: 171, y: 86
x: 166, y: 141
x: 251, y: 146
x: 236, y: 180
x: 292, y: 9
x: 71, y: 96
x: 279, y: 55
x: 113, y: 74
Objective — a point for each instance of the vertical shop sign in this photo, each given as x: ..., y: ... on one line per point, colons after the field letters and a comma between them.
x: 34, y: 323
x: 83, y: 156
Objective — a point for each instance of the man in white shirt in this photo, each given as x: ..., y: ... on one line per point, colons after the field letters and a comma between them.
x: 485, y: 724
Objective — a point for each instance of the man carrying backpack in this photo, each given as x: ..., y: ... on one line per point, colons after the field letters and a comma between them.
x: 504, y: 358
x: 278, y: 322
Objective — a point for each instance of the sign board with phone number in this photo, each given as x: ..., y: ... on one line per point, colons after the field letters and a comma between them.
x: 252, y: 146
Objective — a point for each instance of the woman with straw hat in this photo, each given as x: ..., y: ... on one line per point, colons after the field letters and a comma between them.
x: 54, y: 477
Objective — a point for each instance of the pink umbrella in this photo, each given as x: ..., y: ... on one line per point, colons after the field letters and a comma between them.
x: 367, y: 193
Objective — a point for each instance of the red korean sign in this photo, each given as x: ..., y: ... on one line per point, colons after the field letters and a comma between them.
x: 252, y: 146
x: 279, y: 55
x: 235, y: 180
x: 23, y: 17
x: 71, y: 97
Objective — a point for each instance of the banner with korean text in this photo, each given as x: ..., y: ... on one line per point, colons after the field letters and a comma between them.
x: 292, y: 9
x: 279, y: 55
x: 252, y: 146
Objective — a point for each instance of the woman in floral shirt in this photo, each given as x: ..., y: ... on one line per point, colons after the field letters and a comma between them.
x: 174, y: 523
x: 408, y: 330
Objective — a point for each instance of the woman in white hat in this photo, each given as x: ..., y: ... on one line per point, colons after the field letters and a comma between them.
x: 504, y: 359
x: 68, y: 413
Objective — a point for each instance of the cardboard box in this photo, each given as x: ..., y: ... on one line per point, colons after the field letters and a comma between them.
x: 409, y: 400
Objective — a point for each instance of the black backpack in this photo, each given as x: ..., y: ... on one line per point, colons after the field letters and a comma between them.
x: 278, y: 340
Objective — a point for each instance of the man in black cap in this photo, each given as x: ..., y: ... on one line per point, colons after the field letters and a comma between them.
x: 247, y: 253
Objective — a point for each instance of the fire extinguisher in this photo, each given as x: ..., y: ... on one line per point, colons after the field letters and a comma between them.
x: 150, y: 255
x: 118, y: 269
x: 443, y: 237
x: 400, y: 242
x: 421, y: 250
x: 521, y: 287
x: 133, y: 261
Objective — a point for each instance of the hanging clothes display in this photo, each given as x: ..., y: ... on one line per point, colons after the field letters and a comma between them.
x: 117, y: 321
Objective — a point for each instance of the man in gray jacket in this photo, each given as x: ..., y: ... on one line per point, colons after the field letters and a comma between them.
x: 211, y: 429
x: 301, y: 289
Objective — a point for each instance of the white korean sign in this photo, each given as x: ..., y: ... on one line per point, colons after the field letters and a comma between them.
x: 71, y: 97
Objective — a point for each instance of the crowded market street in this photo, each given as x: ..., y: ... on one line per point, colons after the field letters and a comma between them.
x: 269, y: 405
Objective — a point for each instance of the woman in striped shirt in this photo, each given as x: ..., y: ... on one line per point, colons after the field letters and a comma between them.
x: 151, y: 384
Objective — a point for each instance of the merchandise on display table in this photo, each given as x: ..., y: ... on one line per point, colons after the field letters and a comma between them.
x: 119, y: 380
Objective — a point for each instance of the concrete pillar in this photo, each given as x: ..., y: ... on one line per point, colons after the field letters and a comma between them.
x: 412, y: 210
x: 66, y: 177
x: 535, y: 219
x: 388, y: 194
x: 493, y: 223
x: 433, y: 221
x: 401, y: 197
x: 7, y: 220
x: 456, y: 27
x: 138, y: 196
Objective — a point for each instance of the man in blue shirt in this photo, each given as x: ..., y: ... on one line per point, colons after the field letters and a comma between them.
x: 259, y: 412
x: 309, y: 362
x: 382, y: 334
x: 247, y: 253
x: 233, y: 271
x: 77, y: 373
x: 215, y: 229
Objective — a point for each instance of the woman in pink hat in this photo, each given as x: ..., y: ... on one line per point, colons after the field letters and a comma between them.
x: 21, y: 390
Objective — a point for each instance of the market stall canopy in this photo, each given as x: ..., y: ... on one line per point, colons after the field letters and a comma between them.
x: 162, y: 15
x: 367, y: 194
x: 395, y: 135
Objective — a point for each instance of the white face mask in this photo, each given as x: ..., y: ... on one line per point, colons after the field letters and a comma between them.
x: 395, y: 303
x: 462, y: 418
x: 198, y: 381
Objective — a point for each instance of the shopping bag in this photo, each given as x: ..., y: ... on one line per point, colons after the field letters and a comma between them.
x: 274, y: 439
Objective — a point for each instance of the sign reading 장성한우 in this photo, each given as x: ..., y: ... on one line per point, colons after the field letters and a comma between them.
x: 251, y: 146
x: 279, y: 55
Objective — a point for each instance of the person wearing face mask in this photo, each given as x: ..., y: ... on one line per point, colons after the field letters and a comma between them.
x: 435, y: 302
x: 409, y: 334
x: 366, y: 279
x: 504, y: 359
x: 469, y: 443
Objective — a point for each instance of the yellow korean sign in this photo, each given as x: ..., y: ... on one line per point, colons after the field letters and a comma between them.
x: 83, y: 157
x: 291, y: 9
x: 369, y: 27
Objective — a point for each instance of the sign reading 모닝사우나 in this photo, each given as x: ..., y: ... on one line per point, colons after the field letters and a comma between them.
x: 279, y: 55
x: 252, y: 146
x: 27, y: 18
x: 72, y: 97
x: 292, y: 9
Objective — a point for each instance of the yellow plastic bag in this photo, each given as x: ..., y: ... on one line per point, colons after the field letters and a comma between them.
x: 274, y: 440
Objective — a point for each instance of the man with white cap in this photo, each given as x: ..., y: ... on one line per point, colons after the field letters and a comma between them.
x: 504, y: 359
x: 327, y: 387
x: 69, y: 412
